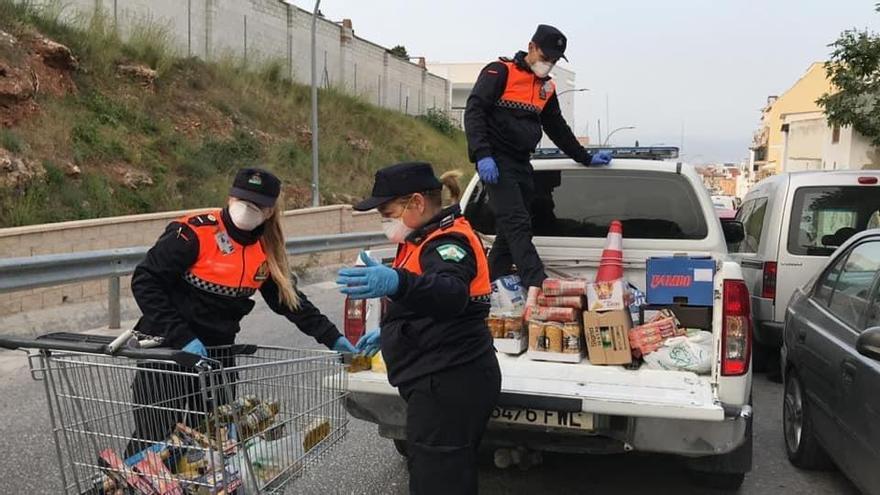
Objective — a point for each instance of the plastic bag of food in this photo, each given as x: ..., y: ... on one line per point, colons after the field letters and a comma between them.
x: 508, y: 295
x: 692, y: 353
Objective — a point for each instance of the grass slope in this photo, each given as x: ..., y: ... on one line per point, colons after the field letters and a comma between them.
x: 192, y: 130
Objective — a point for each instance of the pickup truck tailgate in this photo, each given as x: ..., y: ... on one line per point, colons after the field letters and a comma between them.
x: 607, y: 390
x: 614, y: 390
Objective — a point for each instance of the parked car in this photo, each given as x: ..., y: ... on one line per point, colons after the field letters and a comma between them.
x: 831, y: 354
x: 585, y: 408
x: 793, y: 222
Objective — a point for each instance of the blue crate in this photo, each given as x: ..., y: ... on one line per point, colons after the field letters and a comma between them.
x: 680, y: 280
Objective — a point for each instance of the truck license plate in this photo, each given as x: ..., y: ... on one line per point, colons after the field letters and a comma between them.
x: 537, y: 417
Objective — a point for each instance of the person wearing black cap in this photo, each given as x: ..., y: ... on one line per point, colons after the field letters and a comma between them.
x: 434, y: 339
x: 197, y: 282
x: 512, y: 102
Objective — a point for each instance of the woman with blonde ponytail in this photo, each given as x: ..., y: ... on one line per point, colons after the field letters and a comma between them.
x: 433, y: 335
x: 198, y: 281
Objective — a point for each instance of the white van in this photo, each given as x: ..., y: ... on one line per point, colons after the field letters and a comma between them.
x: 793, y: 222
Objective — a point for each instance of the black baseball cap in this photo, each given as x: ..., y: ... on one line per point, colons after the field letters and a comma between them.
x: 551, y: 41
x: 399, y: 180
x: 256, y: 185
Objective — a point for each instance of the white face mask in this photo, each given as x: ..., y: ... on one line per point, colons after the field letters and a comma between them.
x: 395, y: 230
x: 246, y: 216
x: 542, y: 68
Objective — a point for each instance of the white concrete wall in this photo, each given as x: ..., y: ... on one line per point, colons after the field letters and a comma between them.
x: 853, y: 151
x: 806, y: 140
x: 263, y: 30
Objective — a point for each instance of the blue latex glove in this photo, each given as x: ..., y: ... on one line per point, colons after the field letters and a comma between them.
x: 601, y: 158
x: 369, y: 344
x: 369, y: 281
x: 488, y: 170
x: 196, y: 346
x: 343, y: 345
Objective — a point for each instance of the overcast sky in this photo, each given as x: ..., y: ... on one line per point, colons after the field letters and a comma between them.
x: 708, y: 65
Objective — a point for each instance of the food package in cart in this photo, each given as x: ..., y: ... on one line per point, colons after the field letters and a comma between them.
x: 564, y: 287
x: 508, y: 295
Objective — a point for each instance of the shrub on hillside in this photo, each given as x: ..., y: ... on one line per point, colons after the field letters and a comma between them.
x: 440, y: 120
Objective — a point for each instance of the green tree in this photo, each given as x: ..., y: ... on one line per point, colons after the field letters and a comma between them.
x: 854, y: 71
x: 399, y: 51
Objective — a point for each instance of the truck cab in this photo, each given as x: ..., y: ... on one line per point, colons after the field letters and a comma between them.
x: 586, y: 408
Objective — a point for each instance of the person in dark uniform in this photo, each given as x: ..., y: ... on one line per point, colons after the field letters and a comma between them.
x: 197, y: 283
x: 434, y: 339
x: 512, y: 101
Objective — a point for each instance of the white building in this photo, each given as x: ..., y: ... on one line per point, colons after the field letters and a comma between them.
x: 809, y: 143
x: 462, y: 77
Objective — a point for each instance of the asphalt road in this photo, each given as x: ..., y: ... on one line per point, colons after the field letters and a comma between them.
x: 364, y: 463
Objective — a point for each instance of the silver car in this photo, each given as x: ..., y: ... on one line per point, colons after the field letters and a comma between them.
x: 831, y: 358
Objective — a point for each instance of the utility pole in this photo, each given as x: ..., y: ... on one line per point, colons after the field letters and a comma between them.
x: 316, y: 195
x: 607, y: 112
x: 599, y: 126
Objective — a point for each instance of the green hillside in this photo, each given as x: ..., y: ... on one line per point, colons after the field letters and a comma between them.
x: 129, y: 128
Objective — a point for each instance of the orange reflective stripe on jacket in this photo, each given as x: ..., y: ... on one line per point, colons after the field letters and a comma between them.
x: 225, y: 267
x: 409, y: 255
x: 524, y: 90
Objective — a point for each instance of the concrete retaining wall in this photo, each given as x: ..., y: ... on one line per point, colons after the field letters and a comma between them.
x: 143, y: 230
x: 261, y: 30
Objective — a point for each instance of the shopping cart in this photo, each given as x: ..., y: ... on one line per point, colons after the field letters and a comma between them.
x: 245, y: 420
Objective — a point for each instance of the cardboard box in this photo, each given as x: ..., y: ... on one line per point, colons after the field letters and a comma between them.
x: 681, y: 280
x: 607, y: 335
x: 605, y: 296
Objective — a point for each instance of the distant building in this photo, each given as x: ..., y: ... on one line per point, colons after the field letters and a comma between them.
x: 768, y: 142
x: 462, y: 77
x: 724, y: 180
x: 809, y: 143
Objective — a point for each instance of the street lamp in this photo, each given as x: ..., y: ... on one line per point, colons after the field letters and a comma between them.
x: 316, y: 196
x: 576, y: 90
x: 608, y: 137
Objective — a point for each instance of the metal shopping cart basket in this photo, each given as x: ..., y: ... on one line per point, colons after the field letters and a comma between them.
x: 246, y: 420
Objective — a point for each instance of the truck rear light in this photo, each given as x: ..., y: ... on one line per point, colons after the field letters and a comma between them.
x: 867, y: 180
x: 355, y: 319
x: 736, y: 329
x: 768, y: 287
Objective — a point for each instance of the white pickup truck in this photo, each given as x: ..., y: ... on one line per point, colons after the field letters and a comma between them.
x: 582, y: 408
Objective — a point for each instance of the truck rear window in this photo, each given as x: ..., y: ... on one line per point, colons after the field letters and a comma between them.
x: 823, y: 218
x: 581, y: 203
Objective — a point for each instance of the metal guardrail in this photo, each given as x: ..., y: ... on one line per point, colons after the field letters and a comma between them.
x: 57, y: 269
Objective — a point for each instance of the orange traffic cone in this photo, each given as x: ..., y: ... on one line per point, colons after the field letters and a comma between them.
x: 611, y: 265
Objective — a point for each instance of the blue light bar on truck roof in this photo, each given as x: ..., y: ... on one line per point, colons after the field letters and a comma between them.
x: 641, y: 153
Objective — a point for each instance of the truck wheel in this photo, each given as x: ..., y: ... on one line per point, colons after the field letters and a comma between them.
x: 767, y: 359
x: 401, y: 447
x: 801, y: 444
x: 718, y: 481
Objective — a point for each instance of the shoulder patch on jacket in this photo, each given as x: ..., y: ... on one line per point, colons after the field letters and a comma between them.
x: 451, y: 252
x: 204, y: 220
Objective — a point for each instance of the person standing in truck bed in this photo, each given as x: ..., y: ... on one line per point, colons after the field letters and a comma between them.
x: 513, y: 102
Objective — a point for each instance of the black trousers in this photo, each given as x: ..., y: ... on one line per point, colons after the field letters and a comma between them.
x: 511, y: 200
x: 161, y: 392
x: 446, y: 417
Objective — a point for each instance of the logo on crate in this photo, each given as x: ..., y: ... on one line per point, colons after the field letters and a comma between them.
x: 658, y: 281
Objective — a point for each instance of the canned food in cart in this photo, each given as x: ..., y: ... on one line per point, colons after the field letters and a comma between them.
x: 246, y: 420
